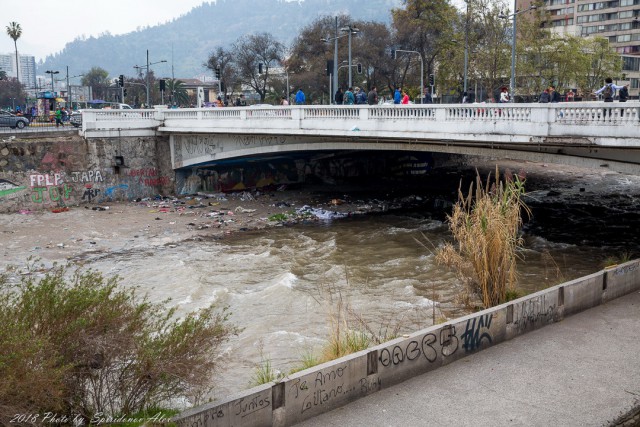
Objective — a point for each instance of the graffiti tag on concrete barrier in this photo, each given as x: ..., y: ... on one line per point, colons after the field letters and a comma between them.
x: 428, y: 346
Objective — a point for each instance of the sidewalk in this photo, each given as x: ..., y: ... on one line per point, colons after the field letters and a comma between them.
x: 582, y: 371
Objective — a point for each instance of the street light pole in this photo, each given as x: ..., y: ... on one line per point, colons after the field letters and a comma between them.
x: 68, y: 90
x: 147, y: 78
x: 52, y: 73
x: 335, y: 64
x: 350, y: 30
x: 515, y: 13
x: 512, y: 81
x: 466, y: 47
x: 350, y: 84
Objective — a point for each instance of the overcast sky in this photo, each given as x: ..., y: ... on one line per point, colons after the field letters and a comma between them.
x: 47, y: 25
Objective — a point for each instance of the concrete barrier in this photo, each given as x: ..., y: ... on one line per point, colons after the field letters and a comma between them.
x: 325, y: 387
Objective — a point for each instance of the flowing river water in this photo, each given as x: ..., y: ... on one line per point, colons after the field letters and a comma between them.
x: 282, y: 284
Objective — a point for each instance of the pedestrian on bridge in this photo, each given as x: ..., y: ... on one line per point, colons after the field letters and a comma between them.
x: 372, y: 97
x: 349, y: 98
x: 397, y: 96
x: 608, y: 91
x: 339, y: 97
x: 300, y: 98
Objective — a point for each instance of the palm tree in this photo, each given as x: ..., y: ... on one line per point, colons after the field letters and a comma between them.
x: 178, y: 92
x: 15, y: 31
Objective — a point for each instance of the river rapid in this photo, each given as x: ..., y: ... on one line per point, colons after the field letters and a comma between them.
x: 282, y: 284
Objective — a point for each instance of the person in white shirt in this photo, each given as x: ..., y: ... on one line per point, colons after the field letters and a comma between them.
x: 504, y: 95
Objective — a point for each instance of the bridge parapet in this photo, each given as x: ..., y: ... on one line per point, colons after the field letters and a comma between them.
x: 593, y: 119
x: 614, y: 124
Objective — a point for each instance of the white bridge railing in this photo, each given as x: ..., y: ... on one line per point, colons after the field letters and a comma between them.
x: 615, y: 124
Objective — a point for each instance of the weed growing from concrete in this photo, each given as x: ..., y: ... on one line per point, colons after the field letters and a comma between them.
x: 485, y: 224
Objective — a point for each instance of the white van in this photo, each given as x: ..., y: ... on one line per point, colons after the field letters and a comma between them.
x: 76, y: 116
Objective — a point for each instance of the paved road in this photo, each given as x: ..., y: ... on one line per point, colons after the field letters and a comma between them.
x: 583, y: 371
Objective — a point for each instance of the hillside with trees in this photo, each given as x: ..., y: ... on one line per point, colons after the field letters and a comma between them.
x: 186, y: 41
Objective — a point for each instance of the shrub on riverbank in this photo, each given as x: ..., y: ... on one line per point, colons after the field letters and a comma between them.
x: 76, y: 344
x: 485, y: 225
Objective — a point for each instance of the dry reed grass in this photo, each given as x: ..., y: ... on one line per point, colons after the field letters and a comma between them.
x: 485, y: 224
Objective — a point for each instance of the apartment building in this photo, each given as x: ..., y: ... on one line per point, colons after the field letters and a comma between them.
x: 27, y: 68
x: 616, y: 20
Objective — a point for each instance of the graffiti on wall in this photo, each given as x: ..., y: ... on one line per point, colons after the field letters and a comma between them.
x: 49, y: 188
x: 87, y: 176
x: 533, y: 313
x: 9, y: 190
x: 149, y: 177
x: 327, y: 385
x: 90, y: 193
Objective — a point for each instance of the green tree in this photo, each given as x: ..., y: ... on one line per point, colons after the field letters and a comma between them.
x: 97, y: 80
x: 179, y: 95
x: 425, y: 26
x: 3, y: 75
x: 77, y: 343
x: 15, y: 31
x: 250, y: 51
x: 600, y: 61
x: 489, y: 47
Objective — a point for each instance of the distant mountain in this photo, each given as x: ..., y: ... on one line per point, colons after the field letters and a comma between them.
x: 187, y: 41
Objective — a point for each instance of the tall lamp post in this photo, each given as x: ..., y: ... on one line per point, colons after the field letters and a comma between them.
x: 421, y: 69
x: 517, y: 12
x: 69, y: 96
x: 52, y: 73
x: 350, y: 30
x: 147, y: 77
x: 466, y: 48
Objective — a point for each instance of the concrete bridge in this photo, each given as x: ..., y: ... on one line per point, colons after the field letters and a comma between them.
x: 584, y: 134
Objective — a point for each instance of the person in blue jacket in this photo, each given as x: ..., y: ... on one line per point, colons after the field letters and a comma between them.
x: 300, y: 98
x: 397, y: 96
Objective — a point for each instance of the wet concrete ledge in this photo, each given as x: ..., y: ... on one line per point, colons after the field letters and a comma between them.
x: 320, y: 389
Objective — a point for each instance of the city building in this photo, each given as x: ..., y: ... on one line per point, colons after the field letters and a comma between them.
x: 27, y: 68
x: 616, y: 20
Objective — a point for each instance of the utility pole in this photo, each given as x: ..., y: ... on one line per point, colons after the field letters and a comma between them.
x: 147, y: 78
x: 335, y: 62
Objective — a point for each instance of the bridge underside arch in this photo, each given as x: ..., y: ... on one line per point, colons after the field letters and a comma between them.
x: 235, y: 162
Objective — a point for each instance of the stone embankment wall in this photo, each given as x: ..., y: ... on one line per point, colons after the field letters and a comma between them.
x: 53, y: 171
x: 325, y: 387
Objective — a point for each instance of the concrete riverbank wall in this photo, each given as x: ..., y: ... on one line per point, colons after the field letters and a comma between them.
x: 56, y: 171
x: 325, y: 387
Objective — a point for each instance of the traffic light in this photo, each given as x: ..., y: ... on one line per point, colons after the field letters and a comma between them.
x: 218, y: 73
x: 329, y: 67
x: 162, y: 86
x: 125, y: 92
x: 359, y: 68
x: 260, y: 68
x: 393, y: 54
x: 432, y: 80
x: 121, y: 80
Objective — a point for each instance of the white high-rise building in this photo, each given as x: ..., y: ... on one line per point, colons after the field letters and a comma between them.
x: 27, y: 68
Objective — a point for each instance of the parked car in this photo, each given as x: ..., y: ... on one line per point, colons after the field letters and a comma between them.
x: 13, y: 121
